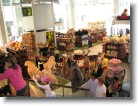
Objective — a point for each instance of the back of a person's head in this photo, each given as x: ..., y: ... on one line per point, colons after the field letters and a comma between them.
x: 12, y: 60
x: 101, y: 79
x: 125, y: 10
x: 74, y: 64
x: 94, y: 75
x: 99, y: 53
x: 116, y: 78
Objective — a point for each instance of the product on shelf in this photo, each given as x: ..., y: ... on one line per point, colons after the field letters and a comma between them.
x: 42, y: 44
x: 65, y: 43
x: 116, y: 47
x: 32, y: 69
x: 78, y: 55
x: 28, y: 40
x: 15, y: 45
x: 95, y: 36
x: 97, y: 25
x: 81, y: 38
x: 114, y: 66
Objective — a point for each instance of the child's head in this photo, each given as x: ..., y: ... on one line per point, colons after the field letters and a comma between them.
x: 100, y: 81
x: 45, y: 80
x: 99, y: 54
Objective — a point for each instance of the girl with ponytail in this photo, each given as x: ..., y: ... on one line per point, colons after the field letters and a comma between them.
x: 13, y: 73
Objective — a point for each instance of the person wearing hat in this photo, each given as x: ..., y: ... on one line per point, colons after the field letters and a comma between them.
x: 101, y: 88
x: 46, y: 86
x: 91, y: 84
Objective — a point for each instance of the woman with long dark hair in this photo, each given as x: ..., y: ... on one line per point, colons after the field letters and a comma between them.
x: 13, y: 72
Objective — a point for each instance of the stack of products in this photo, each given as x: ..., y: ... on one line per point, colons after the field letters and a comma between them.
x: 28, y: 40
x: 81, y: 38
x: 114, y: 67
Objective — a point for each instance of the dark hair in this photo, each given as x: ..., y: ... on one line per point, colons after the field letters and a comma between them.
x: 125, y: 10
x: 94, y: 75
x: 116, y: 78
x: 105, y: 56
x: 12, y: 60
x: 74, y: 64
x: 99, y: 53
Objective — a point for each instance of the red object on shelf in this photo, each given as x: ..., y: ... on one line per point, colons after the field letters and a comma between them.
x: 103, y: 35
x: 123, y: 17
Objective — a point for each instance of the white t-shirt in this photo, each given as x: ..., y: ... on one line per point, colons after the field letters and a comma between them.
x: 91, y: 85
x: 100, y: 90
x: 48, y: 91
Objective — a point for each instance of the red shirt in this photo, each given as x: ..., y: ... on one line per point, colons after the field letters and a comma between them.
x: 15, y: 76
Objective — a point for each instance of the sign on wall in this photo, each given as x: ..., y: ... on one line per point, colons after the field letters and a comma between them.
x: 50, y: 38
x: 27, y: 11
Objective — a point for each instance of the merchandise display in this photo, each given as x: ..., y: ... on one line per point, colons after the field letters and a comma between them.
x: 43, y: 48
x: 61, y: 51
x: 97, y: 25
x: 113, y: 68
x: 115, y: 47
x: 16, y: 46
x: 95, y: 37
x: 81, y: 38
x: 65, y: 43
x: 28, y: 40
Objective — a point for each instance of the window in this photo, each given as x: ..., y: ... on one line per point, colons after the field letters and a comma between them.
x: 13, y: 18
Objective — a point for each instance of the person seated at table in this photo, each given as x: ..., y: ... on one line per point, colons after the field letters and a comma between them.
x: 124, y: 13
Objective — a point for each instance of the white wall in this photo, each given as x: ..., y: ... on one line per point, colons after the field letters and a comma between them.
x: 43, y: 19
x: 28, y: 23
x: 43, y: 16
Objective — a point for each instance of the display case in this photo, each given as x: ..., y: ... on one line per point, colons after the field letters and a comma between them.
x: 81, y: 38
x: 114, y: 50
x: 65, y: 43
x: 28, y: 40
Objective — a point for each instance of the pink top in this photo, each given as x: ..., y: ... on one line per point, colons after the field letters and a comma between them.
x: 15, y: 76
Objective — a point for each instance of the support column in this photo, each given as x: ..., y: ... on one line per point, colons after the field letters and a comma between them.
x: 72, y: 13
x: 116, y: 7
x: 2, y: 27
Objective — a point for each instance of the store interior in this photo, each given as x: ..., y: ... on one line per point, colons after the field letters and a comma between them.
x: 52, y: 38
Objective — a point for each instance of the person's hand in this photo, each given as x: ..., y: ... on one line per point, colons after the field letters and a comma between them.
x: 33, y: 78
